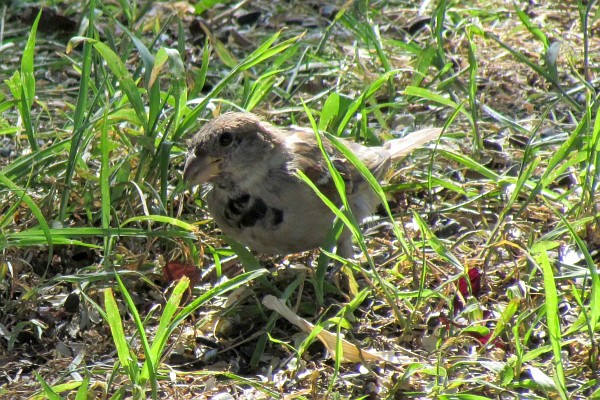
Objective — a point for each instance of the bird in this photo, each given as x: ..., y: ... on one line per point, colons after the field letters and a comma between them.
x: 255, y: 194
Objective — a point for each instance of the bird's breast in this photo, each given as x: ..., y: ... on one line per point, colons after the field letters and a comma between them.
x: 270, y: 222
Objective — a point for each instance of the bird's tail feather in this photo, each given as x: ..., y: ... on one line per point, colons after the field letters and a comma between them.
x: 399, y: 148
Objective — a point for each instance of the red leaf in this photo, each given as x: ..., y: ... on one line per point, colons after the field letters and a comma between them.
x: 475, y: 281
x: 463, y: 287
x: 174, y: 270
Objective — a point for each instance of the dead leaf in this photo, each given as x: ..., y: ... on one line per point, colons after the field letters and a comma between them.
x: 351, y: 353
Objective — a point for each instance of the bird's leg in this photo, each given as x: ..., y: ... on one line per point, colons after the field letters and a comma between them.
x: 345, y: 248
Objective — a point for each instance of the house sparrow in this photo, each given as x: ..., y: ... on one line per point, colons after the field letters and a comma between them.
x: 256, y: 197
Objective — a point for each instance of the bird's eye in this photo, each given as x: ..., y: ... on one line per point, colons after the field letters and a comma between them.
x: 225, y: 139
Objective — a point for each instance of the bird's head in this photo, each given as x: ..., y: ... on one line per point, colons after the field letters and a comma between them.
x: 228, y: 147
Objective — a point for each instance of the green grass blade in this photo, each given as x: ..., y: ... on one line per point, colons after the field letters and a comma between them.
x: 261, y: 54
x: 80, y: 112
x: 474, y: 107
x: 372, y: 181
x: 537, y: 68
x: 214, y: 292
x: 437, y: 245
x: 594, y: 296
x: 556, y: 165
x: 126, y: 357
x: 246, y: 257
x: 200, y: 79
x: 138, y: 379
x: 361, y: 100
x: 552, y: 312
x: 438, y: 98
x: 345, y: 214
x: 105, y: 200
x: 504, y: 120
x: 34, y: 209
x: 82, y: 392
x: 163, y: 330
x: 48, y: 391
x: 126, y: 81
x: 534, y: 30
x: 161, y: 219
x: 28, y: 84
x: 36, y: 235
x: 591, y: 178
x: 471, y: 164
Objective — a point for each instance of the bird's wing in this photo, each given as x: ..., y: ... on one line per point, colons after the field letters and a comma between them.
x: 308, y: 158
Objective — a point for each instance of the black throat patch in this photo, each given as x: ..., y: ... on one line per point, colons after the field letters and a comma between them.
x: 245, y: 211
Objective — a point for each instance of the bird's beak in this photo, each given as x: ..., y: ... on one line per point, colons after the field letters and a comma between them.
x: 199, y: 170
